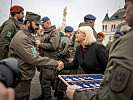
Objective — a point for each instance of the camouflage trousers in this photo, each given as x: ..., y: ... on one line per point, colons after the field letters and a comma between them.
x: 3, y: 52
x: 47, y: 78
x: 22, y: 90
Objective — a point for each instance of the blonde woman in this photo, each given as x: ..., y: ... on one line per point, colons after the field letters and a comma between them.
x: 92, y: 57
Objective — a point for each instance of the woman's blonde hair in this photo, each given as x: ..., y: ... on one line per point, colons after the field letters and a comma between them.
x: 89, y: 36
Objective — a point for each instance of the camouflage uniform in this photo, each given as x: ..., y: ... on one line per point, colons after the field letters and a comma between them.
x: 7, y: 31
x: 72, y: 50
x: 22, y: 48
x: 118, y: 76
x: 63, y: 55
x: 99, y: 42
x: 49, y: 48
x: 108, y: 45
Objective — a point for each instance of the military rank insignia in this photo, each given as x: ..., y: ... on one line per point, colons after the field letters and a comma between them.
x: 33, y: 50
x: 9, y: 34
x: 83, y: 81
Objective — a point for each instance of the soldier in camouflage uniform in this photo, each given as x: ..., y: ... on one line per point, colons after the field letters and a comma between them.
x: 9, y: 28
x: 22, y: 47
x: 117, y: 35
x: 89, y: 20
x: 48, y: 46
x: 64, y: 56
x: 100, y: 37
x: 118, y: 76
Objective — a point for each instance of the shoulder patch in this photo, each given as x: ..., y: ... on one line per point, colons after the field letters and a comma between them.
x: 33, y: 50
x: 120, y: 78
x: 9, y: 34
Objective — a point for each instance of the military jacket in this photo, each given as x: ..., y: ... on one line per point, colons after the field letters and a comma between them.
x: 50, y: 43
x: 99, y: 42
x: 108, y: 45
x: 22, y: 48
x: 7, y: 31
x: 118, y: 76
x: 64, y: 46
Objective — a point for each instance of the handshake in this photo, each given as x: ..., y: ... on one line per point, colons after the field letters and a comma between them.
x: 60, y: 65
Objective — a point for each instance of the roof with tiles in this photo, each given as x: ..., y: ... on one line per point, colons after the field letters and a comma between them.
x: 119, y: 14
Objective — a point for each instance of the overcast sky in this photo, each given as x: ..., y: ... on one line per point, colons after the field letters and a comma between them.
x: 76, y: 10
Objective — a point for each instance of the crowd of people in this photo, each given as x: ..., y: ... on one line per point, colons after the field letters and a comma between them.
x: 56, y: 53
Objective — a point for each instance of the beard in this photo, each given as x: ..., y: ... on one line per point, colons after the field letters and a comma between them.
x: 31, y: 29
x: 20, y: 19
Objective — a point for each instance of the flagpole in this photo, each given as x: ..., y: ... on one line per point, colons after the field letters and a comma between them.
x: 10, y: 7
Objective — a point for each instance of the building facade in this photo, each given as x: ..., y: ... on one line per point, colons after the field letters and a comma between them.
x: 113, y: 23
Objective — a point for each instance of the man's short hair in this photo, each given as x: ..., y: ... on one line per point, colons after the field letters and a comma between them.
x: 13, y: 13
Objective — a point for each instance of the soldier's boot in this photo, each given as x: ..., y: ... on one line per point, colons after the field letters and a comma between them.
x: 39, y: 98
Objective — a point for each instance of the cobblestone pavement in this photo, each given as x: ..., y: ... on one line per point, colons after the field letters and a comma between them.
x: 36, y: 88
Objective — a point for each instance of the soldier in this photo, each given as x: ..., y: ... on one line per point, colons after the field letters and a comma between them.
x: 21, y: 23
x: 48, y: 46
x: 89, y: 20
x: 118, y: 77
x: 100, y: 37
x: 64, y: 56
x: 9, y: 28
x: 22, y: 47
x: 117, y: 35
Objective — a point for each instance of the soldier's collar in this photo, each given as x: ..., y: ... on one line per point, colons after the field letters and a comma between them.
x: 67, y: 36
x: 15, y: 21
x: 51, y: 28
x: 26, y: 31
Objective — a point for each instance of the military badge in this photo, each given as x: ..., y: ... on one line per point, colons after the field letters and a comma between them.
x: 33, y: 50
x: 9, y: 34
x: 120, y: 79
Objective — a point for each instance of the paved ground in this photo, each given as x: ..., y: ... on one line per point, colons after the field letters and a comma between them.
x: 36, y: 88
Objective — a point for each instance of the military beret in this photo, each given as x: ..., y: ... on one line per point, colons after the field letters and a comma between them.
x: 33, y: 17
x: 119, y: 32
x: 16, y: 8
x: 100, y: 33
x: 90, y: 17
x: 68, y: 29
x: 44, y: 19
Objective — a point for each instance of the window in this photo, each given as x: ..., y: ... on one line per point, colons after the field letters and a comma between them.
x: 110, y: 38
x: 103, y: 28
x: 111, y: 28
x: 114, y: 27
